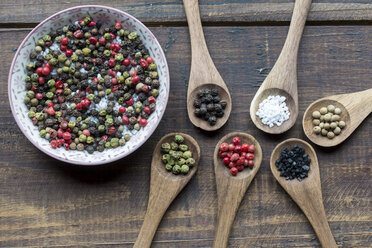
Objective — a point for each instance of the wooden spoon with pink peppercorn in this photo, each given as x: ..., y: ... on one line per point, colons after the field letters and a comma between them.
x: 231, y: 189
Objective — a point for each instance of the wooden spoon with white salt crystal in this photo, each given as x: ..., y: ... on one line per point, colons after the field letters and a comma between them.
x: 282, y: 79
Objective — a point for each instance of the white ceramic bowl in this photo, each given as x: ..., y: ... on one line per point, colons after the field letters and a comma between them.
x: 17, y: 74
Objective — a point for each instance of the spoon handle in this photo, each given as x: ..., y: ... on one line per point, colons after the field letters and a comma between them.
x: 318, y: 219
x: 296, y: 28
x: 199, y: 49
x: 162, y: 193
x: 230, y: 193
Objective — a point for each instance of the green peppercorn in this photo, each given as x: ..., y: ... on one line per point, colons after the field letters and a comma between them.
x: 26, y: 100
x: 58, y: 114
x: 108, y: 91
x: 183, y: 147
x: 185, y: 169
x: 82, y: 138
x: 138, y: 55
x: 62, y: 58
x: 42, y: 133
x: 181, y: 161
x: 107, y: 36
x: 154, y: 74
x: 90, y: 139
x: 125, y: 74
x: 176, y: 169
x: 91, y: 97
x: 165, y: 158
x: 30, y: 94
x: 34, y: 77
x: 119, y: 57
x: 152, y: 67
x: 30, y: 66
x: 49, y: 95
x: 127, y: 137
x: 31, y: 114
x: 165, y: 147
x: 40, y: 42
x: 73, y: 146
x: 71, y: 124
x: 174, y: 146
x: 102, y: 112
x: 108, y: 144
x: 109, y: 122
x: 137, y: 127
x: 128, y: 81
x: 187, y: 155
x: 179, y: 139
x: 28, y: 79
x: 154, y: 92
x: 38, y: 49
x: 86, y: 51
x: 34, y: 102
x: 122, y: 142
x: 132, y: 36
x: 168, y: 167
x: 114, y: 142
x: 190, y: 161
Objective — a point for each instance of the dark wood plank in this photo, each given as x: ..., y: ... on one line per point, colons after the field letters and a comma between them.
x: 170, y: 11
x: 46, y: 203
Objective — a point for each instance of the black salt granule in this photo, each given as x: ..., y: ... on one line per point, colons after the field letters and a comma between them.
x: 294, y: 163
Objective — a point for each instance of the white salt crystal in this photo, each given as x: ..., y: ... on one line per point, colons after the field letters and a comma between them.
x: 273, y: 111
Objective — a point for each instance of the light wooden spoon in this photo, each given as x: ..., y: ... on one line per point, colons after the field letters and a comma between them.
x: 231, y: 189
x: 282, y: 79
x: 307, y: 193
x: 164, y: 187
x: 203, y: 74
x: 355, y: 108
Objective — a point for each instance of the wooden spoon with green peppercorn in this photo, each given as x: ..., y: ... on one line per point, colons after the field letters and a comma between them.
x: 282, y: 79
x: 164, y: 187
x: 203, y: 74
x: 306, y: 193
x: 231, y: 189
x: 355, y: 107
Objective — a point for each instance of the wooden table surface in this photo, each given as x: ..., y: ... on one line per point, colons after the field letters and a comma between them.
x: 46, y: 203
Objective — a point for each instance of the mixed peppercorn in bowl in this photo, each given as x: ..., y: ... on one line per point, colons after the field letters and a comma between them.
x: 86, y: 80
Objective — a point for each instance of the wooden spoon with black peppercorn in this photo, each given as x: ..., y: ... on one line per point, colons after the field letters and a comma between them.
x: 355, y: 108
x: 164, y: 187
x: 282, y: 79
x: 231, y: 189
x: 203, y: 74
x: 306, y: 193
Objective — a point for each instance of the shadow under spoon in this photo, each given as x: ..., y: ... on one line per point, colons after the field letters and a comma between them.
x: 231, y: 189
x: 203, y: 74
x: 355, y: 108
x: 164, y: 187
x: 282, y: 79
x: 307, y: 193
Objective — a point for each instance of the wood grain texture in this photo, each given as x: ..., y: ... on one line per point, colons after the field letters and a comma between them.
x: 306, y: 193
x: 171, y: 11
x: 164, y: 187
x: 44, y: 202
x: 355, y: 107
x: 203, y: 72
x: 282, y: 79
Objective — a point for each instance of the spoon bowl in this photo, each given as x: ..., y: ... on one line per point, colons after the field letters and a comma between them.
x: 203, y: 73
x: 231, y: 189
x: 164, y: 187
x: 306, y: 193
x: 290, y: 102
x: 355, y: 107
x: 198, y: 122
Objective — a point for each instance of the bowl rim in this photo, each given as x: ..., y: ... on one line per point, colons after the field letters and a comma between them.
x: 46, y: 151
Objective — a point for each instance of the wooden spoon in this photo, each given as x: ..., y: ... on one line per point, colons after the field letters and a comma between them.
x: 355, y: 108
x: 231, y: 189
x: 282, y: 79
x: 307, y: 193
x: 203, y: 74
x: 164, y: 187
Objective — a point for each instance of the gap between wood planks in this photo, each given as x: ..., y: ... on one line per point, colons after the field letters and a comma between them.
x: 30, y: 26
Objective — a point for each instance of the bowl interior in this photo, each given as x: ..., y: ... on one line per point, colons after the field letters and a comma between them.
x: 16, y: 86
x: 308, y: 123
